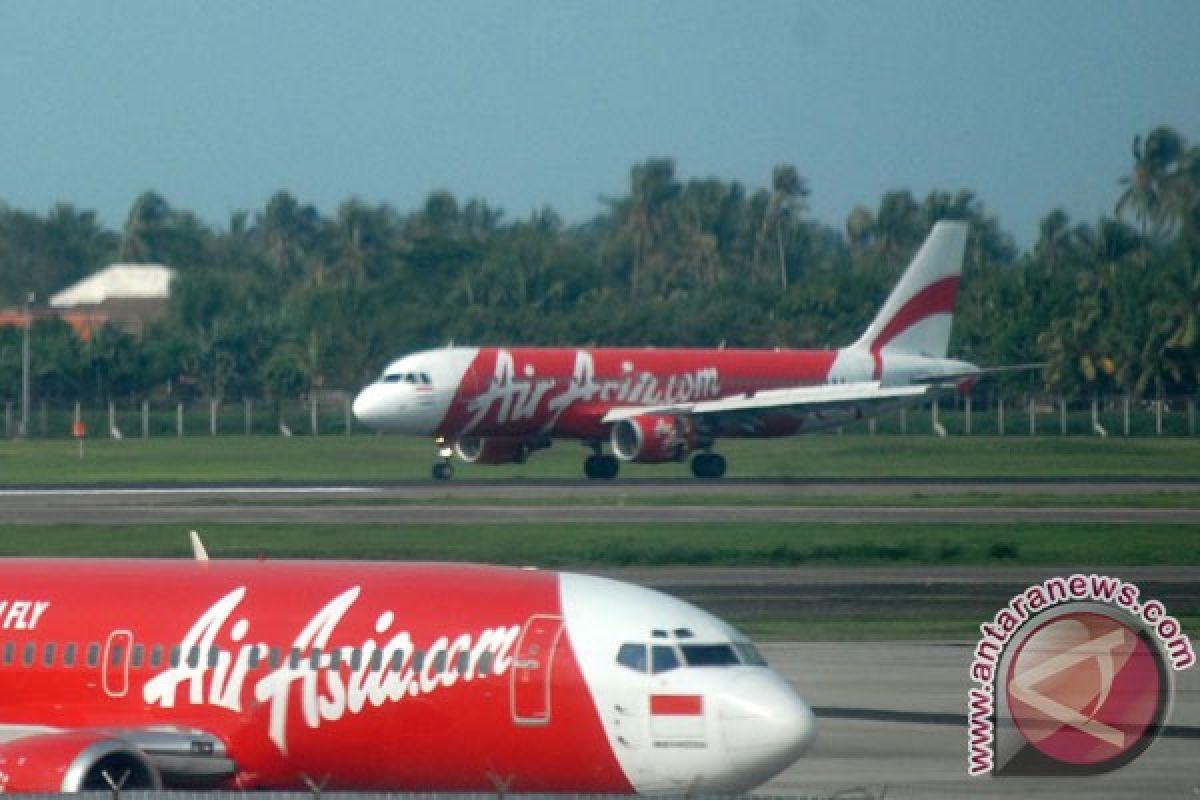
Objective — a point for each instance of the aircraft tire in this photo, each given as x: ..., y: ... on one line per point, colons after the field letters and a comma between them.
x: 443, y: 471
x: 601, y: 468
x: 708, y: 465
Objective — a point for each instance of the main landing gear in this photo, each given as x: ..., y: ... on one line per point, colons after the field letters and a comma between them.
x: 601, y: 467
x: 708, y: 465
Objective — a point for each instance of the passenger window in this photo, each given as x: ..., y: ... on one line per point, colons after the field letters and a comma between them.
x: 314, y: 660
x: 439, y: 663
x: 274, y: 657
x: 253, y: 657
x: 335, y: 658
x: 355, y: 659
x: 48, y: 654
x: 397, y: 661
x: 30, y: 654
x: 376, y: 660
x: 665, y: 659
x: 139, y: 655
x: 10, y: 652
x: 93, y: 654
x: 69, y: 654
x: 484, y: 665
x: 176, y: 652
x: 156, y: 654
x: 117, y: 655
x: 294, y: 658
x: 418, y: 661
x: 632, y: 656
x: 193, y: 658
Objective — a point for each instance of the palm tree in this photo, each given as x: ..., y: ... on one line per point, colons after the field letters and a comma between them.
x: 652, y: 188
x: 1148, y: 188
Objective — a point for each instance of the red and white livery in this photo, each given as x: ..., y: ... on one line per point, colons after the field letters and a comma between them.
x: 382, y: 676
x: 496, y: 405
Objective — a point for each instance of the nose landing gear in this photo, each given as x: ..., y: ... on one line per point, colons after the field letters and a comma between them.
x: 444, y: 469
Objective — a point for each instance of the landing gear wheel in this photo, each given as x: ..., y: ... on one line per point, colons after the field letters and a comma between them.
x: 603, y: 468
x: 443, y: 471
x: 708, y: 465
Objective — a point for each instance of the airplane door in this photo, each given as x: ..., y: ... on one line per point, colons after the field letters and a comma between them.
x: 115, y: 663
x: 532, y: 668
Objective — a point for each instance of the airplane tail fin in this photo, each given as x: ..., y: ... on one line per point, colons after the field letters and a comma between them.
x: 917, y: 314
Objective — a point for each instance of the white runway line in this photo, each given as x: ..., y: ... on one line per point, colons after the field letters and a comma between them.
x: 186, y: 490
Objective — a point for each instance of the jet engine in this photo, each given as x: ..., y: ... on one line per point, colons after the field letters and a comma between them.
x: 480, y: 450
x: 75, y: 761
x: 652, y: 438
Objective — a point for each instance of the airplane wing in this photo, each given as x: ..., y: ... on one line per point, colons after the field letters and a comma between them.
x: 843, y: 397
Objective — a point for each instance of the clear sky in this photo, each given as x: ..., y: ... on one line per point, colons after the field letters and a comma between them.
x: 218, y: 104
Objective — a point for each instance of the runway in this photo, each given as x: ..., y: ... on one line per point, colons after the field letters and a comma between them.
x: 449, y: 503
x: 892, y: 724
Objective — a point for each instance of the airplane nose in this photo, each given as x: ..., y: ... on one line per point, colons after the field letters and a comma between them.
x: 766, y: 726
x: 369, y: 407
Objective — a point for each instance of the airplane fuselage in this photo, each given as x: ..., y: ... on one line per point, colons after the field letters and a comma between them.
x: 377, y: 676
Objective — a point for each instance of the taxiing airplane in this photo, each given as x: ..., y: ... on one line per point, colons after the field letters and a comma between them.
x: 496, y: 405
x: 383, y: 676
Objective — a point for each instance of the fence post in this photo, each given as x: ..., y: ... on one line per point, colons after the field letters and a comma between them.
x: 1000, y: 415
x: 1126, y: 404
x: 903, y: 420
x: 212, y: 416
x: 312, y: 413
x: 1032, y: 416
x: 871, y: 426
x: 179, y: 420
x: 113, y: 431
x: 248, y: 413
x: 1191, y: 416
x: 1062, y: 414
x: 350, y: 415
x: 1158, y: 407
x: 968, y: 418
x: 938, y: 429
x: 1097, y: 428
x: 145, y: 419
x: 77, y: 412
x: 8, y: 420
x: 45, y: 420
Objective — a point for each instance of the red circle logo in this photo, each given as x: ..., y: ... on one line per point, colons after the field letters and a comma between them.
x: 1086, y: 689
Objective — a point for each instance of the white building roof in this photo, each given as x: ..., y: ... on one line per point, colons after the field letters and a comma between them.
x: 123, y: 281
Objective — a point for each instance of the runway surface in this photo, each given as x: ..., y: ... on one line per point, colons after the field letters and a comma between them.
x: 892, y: 724
x: 451, y: 503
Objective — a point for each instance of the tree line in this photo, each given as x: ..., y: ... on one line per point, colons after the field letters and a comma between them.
x: 287, y: 299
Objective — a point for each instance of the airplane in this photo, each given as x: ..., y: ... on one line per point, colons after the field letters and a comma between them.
x: 245, y: 675
x: 496, y: 405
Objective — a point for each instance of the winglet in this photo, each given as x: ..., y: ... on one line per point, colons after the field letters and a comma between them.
x: 198, y: 547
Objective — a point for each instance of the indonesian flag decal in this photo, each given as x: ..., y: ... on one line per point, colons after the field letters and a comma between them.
x: 676, y: 705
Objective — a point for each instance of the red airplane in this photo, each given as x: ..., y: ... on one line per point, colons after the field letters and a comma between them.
x: 498, y: 404
x: 151, y: 674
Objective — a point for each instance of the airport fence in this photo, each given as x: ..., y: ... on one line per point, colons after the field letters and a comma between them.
x: 330, y: 413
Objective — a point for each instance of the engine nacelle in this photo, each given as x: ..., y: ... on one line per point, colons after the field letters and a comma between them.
x: 653, y: 438
x: 480, y: 450
x: 75, y: 762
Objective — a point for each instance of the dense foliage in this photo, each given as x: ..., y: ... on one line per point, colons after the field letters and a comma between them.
x: 287, y: 299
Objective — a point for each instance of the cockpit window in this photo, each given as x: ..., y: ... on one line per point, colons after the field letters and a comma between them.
x: 709, y: 655
x: 395, y: 377
x: 632, y: 656
x: 749, y: 654
x: 425, y: 381
x: 664, y: 658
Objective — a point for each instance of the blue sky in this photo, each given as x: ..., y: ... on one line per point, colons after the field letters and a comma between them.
x: 1031, y: 104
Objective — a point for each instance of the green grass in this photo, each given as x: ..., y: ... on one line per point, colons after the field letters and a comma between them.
x: 588, y: 545
x: 364, y: 457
